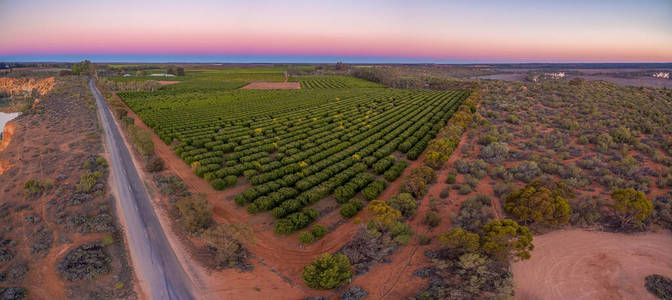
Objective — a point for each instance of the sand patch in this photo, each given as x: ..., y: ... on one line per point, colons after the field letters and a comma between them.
x: 579, y: 264
x: 168, y: 82
x: 272, y: 86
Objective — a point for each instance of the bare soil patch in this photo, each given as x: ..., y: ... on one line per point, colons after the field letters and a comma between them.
x: 579, y: 264
x: 168, y: 82
x: 272, y: 86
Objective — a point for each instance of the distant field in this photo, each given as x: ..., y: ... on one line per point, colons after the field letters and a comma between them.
x: 296, y: 146
x: 334, y: 82
x: 212, y: 78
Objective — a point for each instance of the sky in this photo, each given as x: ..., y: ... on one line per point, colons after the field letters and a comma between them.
x: 469, y: 31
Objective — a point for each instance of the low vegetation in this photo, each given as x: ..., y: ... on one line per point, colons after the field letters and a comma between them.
x: 86, y: 261
x: 659, y: 285
x: 327, y: 272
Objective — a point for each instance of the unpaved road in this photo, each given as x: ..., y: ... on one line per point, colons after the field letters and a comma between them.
x: 153, y: 258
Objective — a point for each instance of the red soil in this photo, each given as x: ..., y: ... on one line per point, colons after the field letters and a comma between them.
x: 578, y: 264
x: 272, y: 86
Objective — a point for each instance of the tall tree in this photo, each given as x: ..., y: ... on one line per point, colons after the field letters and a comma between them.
x: 631, y: 207
x: 505, y: 239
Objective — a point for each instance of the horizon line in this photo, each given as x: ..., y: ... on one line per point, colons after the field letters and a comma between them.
x: 363, y: 62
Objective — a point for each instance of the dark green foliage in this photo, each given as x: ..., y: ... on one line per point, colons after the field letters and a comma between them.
x: 350, y: 209
x: 374, y: 189
x: 319, y: 231
x: 306, y: 237
x: 295, y: 221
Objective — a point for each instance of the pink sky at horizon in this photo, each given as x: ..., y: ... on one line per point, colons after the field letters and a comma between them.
x: 615, y: 32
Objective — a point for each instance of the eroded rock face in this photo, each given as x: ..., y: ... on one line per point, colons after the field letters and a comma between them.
x: 7, y: 134
x: 22, y: 86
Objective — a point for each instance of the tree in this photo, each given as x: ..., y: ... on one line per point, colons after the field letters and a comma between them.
x: 536, y: 204
x: 327, y: 272
x: 505, y: 239
x: 405, y: 203
x: 83, y: 68
x: 417, y: 180
x: 195, y: 212
x: 460, y: 239
x: 630, y: 207
x: 180, y: 71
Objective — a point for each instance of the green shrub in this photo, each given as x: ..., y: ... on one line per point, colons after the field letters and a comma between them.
x: 319, y: 231
x: 218, y: 184
x: 348, y: 210
x: 405, y: 203
x: 465, y: 189
x: 431, y: 219
x: 306, y: 237
x: 424, y: 240
x: 327, y: 272
x: 195, y: 213
x: 230, y: 180
x: 451, y: 178
x: 155, y: 164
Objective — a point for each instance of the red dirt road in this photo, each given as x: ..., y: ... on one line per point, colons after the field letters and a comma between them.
x: 579, y: 264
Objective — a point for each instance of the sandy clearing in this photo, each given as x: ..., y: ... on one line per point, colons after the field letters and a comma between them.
x: 168, y: 82
x: 579, y: 264
x: 272, y: 86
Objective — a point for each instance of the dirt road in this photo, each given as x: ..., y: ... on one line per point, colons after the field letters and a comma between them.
x: 154, y: 260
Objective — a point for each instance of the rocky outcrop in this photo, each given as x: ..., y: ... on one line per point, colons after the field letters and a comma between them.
x: 7, y: 134
x: 25, y: 86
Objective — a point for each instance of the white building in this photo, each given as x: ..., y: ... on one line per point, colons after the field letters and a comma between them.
x: 555, y: 75
x: 665, y: 75
x: 162, y: 75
